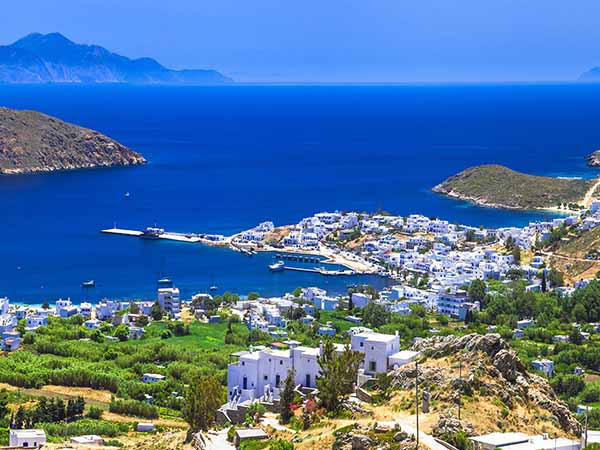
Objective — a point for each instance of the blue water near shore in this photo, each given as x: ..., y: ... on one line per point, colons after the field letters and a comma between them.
x: 222, y: 159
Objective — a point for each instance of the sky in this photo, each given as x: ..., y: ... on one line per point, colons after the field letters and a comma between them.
x: 333, y: 40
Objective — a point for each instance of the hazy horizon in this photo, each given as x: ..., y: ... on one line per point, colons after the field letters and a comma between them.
x: 341, y: 41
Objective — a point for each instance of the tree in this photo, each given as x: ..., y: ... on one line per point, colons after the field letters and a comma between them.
x: 375, y: 315
x: 282, y: 444
x: 134, y: 308
x: 97, y: 336
x: 122, y: 332
x: 516, y: 254
x: 544, y: 283
x: 350, y: 300
x: 556, y: 278
x: 253, y: 295
x: 202, y: 399
x: 157, y: 312
x: 337, y: 376
x: 287, y: 397
x: 476, y: 290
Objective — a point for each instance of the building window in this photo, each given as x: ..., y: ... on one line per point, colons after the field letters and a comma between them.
x: 362, y: 344
x: 281, y: 362
x: 265, y: 378
x: 372, y: 366
x: 243, y: 363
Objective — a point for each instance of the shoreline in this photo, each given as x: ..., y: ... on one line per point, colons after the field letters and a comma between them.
x: 477, y: 202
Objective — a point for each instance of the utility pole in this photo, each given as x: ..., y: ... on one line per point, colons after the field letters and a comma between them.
x: 417, y: 398
x: 585, y: 437
x: 459, y: 385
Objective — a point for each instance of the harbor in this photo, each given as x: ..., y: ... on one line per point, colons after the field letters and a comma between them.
x: 321, y: 256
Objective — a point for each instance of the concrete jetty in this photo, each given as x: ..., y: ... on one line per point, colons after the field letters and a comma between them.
x: 170, y: 236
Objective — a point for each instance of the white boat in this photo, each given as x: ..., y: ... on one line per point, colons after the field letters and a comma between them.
x: 88, y: 284
x: 277, y: 267
x: 213, y: 288
x: 127, y: 194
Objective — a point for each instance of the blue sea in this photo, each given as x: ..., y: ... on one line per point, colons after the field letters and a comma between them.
x: 222, y: 159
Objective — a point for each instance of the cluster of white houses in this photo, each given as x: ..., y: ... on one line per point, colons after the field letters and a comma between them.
x: 424, y: 246
x: 259, y: 373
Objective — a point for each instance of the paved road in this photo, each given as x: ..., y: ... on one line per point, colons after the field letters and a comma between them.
x: 217, y: 440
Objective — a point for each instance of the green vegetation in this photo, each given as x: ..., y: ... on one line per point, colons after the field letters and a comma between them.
x: 498, y: 186
x: 202, y: 398
x: 57, y: 355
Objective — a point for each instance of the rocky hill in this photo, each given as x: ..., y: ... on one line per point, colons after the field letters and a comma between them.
x: 52, y: 58
x: 497, y: 391
x: 594, y: 159
x: 500, y: 187
x: 34, y: 142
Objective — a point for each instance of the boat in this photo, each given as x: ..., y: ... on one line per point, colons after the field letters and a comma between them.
x: 277, y: 267
x: 152, y: 233
x: 165, y: 282
x: 127, y: 194
x: 213, y: 288
x: 88, y: 284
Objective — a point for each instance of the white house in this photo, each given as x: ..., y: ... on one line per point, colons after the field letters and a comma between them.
x: 377, y: 348
x: 26, y: 438
x: 260, y: 372
x: 152, y: 377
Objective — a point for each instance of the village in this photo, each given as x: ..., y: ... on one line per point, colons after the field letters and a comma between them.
x: 432, y: 264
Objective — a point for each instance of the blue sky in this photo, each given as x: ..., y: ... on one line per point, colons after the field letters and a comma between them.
x: 334, y: 40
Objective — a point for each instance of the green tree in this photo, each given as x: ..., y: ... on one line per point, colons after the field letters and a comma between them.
x: 281, y: 444
x: 375, y: 315
x: 337, y: 376
x: 157, y: 312
x: 122, y: 332
x: 287, y: 397
x: 253, y: 295
x: 201, y: 400
x: 476, y: 290
x: 97, y: 336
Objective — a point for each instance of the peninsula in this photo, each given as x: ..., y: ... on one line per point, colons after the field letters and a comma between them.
x: 497, y: 186
x: 34, y: 142
x: 52, y: 58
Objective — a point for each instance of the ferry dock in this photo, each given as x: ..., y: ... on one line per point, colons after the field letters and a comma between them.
x: 167, y: 235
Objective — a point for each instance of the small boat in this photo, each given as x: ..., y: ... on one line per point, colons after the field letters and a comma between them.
x: 88, y: 284
x: 277, y: 267
x: 127, y: 194
x: 213, y: 288
x: 152, y: 233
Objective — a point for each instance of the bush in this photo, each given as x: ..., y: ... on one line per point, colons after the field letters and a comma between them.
x: 85, y: 426
x: 134, y: 408
x: 94, y: 413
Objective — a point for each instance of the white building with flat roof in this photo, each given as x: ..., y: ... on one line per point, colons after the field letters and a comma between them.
x: 168, y: 298
x: 26, y: 438
x: 377, y: 348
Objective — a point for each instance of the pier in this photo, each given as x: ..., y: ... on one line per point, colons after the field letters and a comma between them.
x: 170, y: 236
x: 320, y: 270
x: 300, y: 258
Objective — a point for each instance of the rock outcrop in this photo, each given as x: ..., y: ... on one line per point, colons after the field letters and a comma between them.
x: 34, y: 142
x: 593, y: 159
x: 491, y: 368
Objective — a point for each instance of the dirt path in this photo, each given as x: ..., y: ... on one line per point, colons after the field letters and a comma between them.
x: 589, y: 195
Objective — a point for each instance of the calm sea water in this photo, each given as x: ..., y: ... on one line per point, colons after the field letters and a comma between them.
x: 222, y: 159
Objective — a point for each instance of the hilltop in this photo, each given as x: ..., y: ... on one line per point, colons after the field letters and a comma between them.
x: 52, y: 58
x: 577, y: 254
x: 34, y: 142
x: 496, y: 392
x: 497, y: 186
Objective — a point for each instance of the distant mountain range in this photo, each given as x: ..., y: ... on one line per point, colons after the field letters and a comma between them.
x: 52, y: 58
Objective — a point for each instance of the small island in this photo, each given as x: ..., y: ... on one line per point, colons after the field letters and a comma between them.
x: 34, y: 142
x: 497, y: 186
